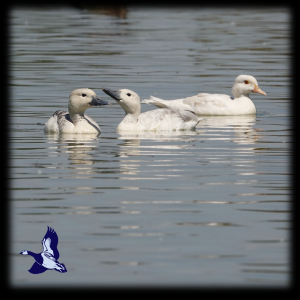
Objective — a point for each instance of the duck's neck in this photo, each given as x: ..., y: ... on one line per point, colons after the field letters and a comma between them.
x: 76, y: 114
x: 34, y: 255
x: 76, y: 117
x: 238, y: 93
x: 37, y: 256
x: 131, y: 118
x: 132, y: 112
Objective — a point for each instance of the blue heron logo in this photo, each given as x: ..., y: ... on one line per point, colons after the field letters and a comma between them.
x: 48, y: 259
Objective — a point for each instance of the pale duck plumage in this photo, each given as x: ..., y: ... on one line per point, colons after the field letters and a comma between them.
x: 158, y: 119
x: 75, y: 120
x: 216, y: 104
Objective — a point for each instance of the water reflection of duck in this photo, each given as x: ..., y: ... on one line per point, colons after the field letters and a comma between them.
x: 119, y: 11
x: 131, y: 145
x: 78, y: 146
x: 241, y: 126
x: 46, y: 260
x: 158, y: 135
x: 217, y: 104
x: 76, y: 121
x: 158, y: 119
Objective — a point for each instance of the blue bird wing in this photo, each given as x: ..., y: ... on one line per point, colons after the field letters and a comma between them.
x: 49, y: 256
x: 50, y: 242
x: 37, y: 269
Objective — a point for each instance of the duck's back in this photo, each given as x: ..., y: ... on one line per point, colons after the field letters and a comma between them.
x: 219, y: 104
x: 58, y: 121
x: 162, y: 119
x: 208, y: 104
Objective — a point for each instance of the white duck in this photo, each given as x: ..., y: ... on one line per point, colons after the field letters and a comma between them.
x: 158, y: 119
x: 217, y: 104
x: 76, y: 121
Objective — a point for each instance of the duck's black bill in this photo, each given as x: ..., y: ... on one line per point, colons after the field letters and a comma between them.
x: 96, y: 101
x: 114, y: 94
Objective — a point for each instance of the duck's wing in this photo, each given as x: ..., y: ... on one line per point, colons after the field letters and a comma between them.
x: 207, y: 99
x: 61, y: 268
x: 209, y: 104
x: 50, y: 242
x: 60, y: 119
x: 92, y: 122
x: 37, y: 269
x: 167, y: 119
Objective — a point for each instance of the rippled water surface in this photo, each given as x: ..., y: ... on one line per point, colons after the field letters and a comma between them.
x: 204, y: 207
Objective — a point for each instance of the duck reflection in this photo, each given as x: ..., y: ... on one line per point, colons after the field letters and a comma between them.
x: 78, y: 146
x: 237, y: 129
x: 130, y: 147
x: 132, y: 140
x: 119, y: 11
x: 157, y: 135
x: 135, y: 150
x: 223, y: 126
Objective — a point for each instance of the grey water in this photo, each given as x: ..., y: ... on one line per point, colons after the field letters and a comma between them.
x: 209, y: 207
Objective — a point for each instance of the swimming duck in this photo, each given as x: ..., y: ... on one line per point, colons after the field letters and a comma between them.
x: 46, y: 260
x: 158, y: 119
x: 76, y: 121
x: 217, y: 104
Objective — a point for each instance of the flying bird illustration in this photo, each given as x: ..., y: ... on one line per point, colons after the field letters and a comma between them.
x: 48, y: 259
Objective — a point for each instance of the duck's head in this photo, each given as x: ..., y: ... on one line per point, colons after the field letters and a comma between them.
x: 244, y: 85
x: 82, y: 99
x: 127, y: 99
x: 24, y: 252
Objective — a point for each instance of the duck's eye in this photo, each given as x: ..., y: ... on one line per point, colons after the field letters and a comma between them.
x: 246, y: 82
x: 83, y: 95
x: 128, y: 94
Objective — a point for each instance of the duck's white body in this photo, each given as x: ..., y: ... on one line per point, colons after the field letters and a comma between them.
x: 61, y: 122
x: 208, y: 104
x: 75, y: 120
x: 158, y: 119
x: 216, y: 104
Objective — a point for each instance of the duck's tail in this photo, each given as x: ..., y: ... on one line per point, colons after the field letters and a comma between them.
x: 190, y: 117
x: 60, y: 268
x: 155, y: 101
